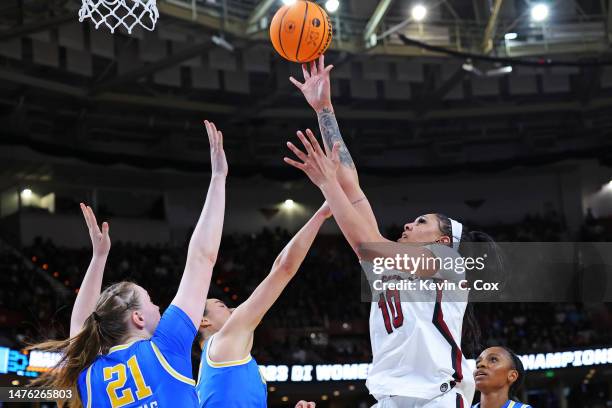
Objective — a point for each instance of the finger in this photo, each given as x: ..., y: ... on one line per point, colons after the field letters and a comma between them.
x: 305, y: 72
x: 208, y: 129
x: 86, y: 215
x: 220, y: 142
x: 311, y: 405
x: 297, y: 83
x: 212, y: 135
x: 217, y: 136
x: 94, y: 221
x: 305, y: 142
x: 313, y: 68
x: 336, y: 152
x: 300, y: 154
x: 328, y: 68
x: 295, y: 164
x: 213, y: 129
x: 321, y: 62
x: 105, y: 228
x: 313, y: 141
x: 207, y: 125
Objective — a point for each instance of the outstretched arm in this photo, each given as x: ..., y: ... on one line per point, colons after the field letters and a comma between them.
x: 206, y: 238
x: 89, y: 292
x: 322, y: 171
x: 234, y: 340
x: 317, y: 91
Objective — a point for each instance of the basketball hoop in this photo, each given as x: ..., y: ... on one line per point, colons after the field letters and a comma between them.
x: 117, y: 13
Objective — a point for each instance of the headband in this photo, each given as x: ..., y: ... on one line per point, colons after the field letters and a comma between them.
x: 456, y: 231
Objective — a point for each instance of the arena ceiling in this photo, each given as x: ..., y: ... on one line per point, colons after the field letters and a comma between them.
x: 68, y: 89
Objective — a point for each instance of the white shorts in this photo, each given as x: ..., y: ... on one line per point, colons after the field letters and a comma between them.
x: 451, y: 399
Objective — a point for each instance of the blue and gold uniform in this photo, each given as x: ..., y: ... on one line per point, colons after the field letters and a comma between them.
x: 146, y: 373
x: 232, y: 384
x: 509, y: 404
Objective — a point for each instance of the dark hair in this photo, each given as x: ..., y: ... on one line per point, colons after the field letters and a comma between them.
x: 517, y: 365
x: 104, y: 328
x: 494, y: 265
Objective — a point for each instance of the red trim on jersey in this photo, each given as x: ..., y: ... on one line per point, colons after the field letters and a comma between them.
x: 459, y: 402
x: 438, y: 321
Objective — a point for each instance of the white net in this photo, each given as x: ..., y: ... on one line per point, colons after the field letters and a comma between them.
x: 117, y: 13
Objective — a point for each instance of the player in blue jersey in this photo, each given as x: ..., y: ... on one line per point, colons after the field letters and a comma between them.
x: 229, y: 377
x: 499, y: 376
x: 121, y: 352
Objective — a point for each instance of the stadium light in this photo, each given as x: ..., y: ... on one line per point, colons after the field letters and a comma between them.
x: 539, y: 12
x: 511, y: 36
x: 419, y: 12
x: 289, y: 204
x: 26, y: 193
x: 289, y: 2
x: 332, y: 5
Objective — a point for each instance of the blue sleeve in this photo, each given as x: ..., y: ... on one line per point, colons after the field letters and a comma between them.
x: 174, y: 335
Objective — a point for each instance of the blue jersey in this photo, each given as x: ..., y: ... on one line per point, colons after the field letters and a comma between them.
x: 232, y: 384
x: 509, y: 404
x: 147, y: 373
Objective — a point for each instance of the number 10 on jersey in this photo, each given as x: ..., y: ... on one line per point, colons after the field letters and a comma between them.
x: 390, y: 304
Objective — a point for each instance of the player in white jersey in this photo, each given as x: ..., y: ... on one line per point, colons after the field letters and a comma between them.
x: 416, y: 337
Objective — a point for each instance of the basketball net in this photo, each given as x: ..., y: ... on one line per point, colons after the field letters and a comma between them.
x: 117, y: 13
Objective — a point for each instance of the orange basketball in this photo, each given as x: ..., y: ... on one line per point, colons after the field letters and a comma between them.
x: 301, y: 32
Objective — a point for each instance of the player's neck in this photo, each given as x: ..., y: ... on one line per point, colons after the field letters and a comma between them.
x: 494, y: 399
x: 135, y: 337
x: 206, y: 334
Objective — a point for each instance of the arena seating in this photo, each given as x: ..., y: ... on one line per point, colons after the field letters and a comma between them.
x: 318, y: 318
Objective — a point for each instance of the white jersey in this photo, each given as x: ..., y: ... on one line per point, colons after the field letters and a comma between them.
x: 416, y: 340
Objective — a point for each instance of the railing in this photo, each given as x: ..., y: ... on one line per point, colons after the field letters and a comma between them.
x: 577, y: 33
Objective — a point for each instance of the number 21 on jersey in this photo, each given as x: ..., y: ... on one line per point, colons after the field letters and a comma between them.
x: 121, y: 397
x: 390, y: 304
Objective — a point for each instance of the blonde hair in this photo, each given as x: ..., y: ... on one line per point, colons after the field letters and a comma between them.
x: 104, y: 328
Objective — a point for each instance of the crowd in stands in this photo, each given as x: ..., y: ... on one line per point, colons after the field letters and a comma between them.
x: 319, y: 317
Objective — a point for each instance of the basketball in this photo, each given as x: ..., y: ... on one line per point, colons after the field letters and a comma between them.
x: 301, y: 32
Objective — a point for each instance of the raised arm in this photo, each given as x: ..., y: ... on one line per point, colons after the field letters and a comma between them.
x: 322, y: 171
x: 89, y: 292
x: 206, y: 237
x: 317, y: 91
x: 234, y: 340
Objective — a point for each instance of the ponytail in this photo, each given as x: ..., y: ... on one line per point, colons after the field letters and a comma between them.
x: 494, y: 267
x: 104, y: 328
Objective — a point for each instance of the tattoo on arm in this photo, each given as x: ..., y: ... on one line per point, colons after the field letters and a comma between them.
x: 331, y: 134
